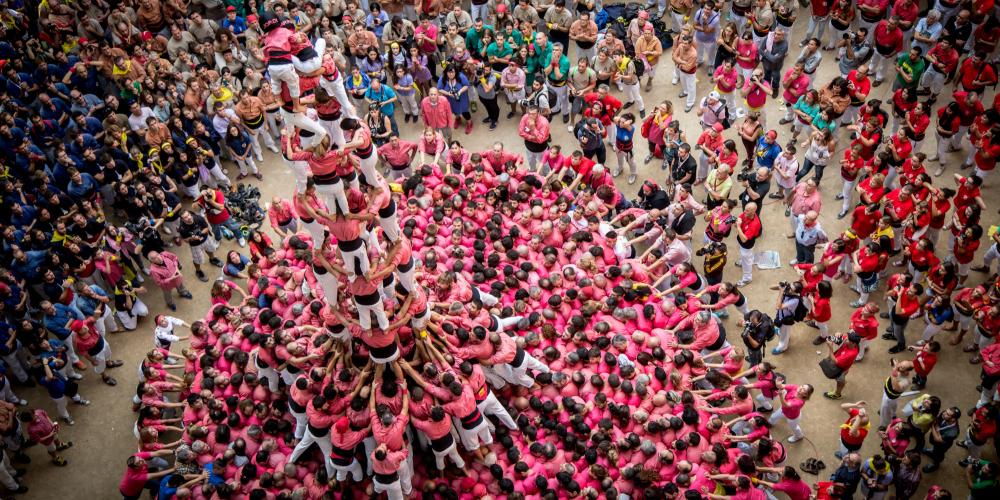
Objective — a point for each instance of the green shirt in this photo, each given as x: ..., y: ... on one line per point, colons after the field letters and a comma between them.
x: 540, y: 58
x: 563, y: 68
x: 502, y: 51
x: 912, y: 68
x: 473, y: 37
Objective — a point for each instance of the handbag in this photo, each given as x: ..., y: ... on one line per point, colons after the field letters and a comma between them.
x: 830, y: 368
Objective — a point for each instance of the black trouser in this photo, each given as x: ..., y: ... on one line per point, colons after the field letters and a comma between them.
x: 807, y: 166
x: 492, y: 108
x: 601, y: 153
x: 898, y: 325
x: 773, y: 76
x: 937, y: 451
x: 805, y: 254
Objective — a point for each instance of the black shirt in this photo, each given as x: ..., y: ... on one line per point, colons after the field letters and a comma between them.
x: 196, y: 232
x: 760, y: 187
x: 684, y: 223
x: 683, y: 169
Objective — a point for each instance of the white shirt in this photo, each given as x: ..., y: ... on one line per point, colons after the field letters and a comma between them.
x: 164, y: 335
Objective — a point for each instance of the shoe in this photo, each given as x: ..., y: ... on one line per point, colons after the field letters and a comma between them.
x: 642, y: 113
x: 788, y: 212
x: 486, y: 120
x: 79, y: 366
x: 69, y: 421
x: 631, y: 179
x: 687, y: 109
x: 793, y: 262
x: 776, y: 352
x: 616, y: 172
x: 565, y: 118
x: 888, y: 336
x: 682, y: 94
x: 784, y: 121
x: 776, y: 196
x: 895, y: 350
x: 857, y: 303
x: 510, y: 115
x: 215, y: 262
x: 201, y: 276
x: 258, y: 176
x: 186, y: 295
x: 883, y: 315
x: 929, y: 468
x: 76, y: 376
x: 855, y: 289
x: 493, y: 125
x: 938, y: 172
x: 241, y: 176
x: 742, y: 283
x: 648, y: 159
x: 832, y: 395
x: 242, y: 242
x: 674, y: 81
x: 468, y: 128
x: 173, y: 307
x: 22, y: 402
x: 877, y: 83
x: 980, y: 269
x: 839, y: 454
x: 819, y: 340
x: 59, y: 462
x: 82, y: 402
x: 794, y: 439
x: 110, y: 381
x: 628, y: 105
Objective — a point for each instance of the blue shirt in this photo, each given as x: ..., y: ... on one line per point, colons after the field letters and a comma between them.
x: 56, y: 386
x: 88, y: 305
x: 766, y: 153
x: 237, y: 26
x: 87, y: 186
x: 57, y: 323
x: 384, y: 94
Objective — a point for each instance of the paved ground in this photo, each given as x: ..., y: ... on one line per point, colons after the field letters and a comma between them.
x: 103, y: 433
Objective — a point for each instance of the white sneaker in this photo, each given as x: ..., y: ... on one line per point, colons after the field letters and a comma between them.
x: 242, y: 242
x: 674, y: 81
x: 76, y: 376
x: 569, y: 128
x: 69, y: 420
x: 22, y: 402
x: 82, y: 402
x: 794, y: 439
x: 742, y: 283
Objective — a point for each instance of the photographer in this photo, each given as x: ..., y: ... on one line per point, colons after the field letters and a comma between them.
x: 715, y: 254
x: 790, y: 310
x: 487, y: 88
x: 942, y: 436
x: 756, y: 185
x: 748, y: 229
x: 757, y: 330
x: 843, y: 349
x: 540, y: 96
x: 981, y: 477
x: 856, y: 48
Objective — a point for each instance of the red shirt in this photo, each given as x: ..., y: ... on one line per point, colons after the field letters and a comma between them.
x: 986, y: 156
x: 867, y: 328
x: 863, y: 224
x: 845, y: 431
x: 820, y: 8
x: 908, y: 305
x: 862, y: 87
x: 849, y: 168
x: 971, y: 71
x: 845, y: 355
x: 873, y: 194
x: 967, y: 112
x: 897, y: 207
x: 751, y: 227
x: 892, y: 40
x: 134, y: 480
x: 821, y: 311
x: 213, y: 215
x: 924, y: 362
x: 947, y: 58
x: 966, y: 195
x: 965, y: 250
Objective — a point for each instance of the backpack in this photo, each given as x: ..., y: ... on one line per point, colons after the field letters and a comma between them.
x: 722, y: 115
x: 801, y: 311
x: 639, y: 65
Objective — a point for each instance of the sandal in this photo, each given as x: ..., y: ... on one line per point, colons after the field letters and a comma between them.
x: 64, y: 445
x: 60, y: 461
x: 820, y: 465
x: 832, y: 395
x: 809, y: 466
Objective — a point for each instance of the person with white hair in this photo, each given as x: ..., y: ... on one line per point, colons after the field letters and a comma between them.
x: 927, y: 31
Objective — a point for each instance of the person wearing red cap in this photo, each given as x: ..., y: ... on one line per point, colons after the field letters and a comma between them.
x: 648, y: 49
x: 343, y: 444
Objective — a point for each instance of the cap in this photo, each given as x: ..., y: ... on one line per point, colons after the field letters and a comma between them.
x: 717, y: 127
x: 643, y: 14
x: 648, y: 27
x: 230, y: 9
x: 146, y: 36
x: 252, y: 18
x: 76, y: 325
x: 771, y: 134
x: 501, y: 8
x: 346, y: 19
x: 714, y: 95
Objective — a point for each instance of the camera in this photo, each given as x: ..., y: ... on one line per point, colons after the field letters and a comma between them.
x: 710, y: 248
x: 746, y: 174
x: 849, y: 34
x: 837, y: 340
x: 783, y: 284
x: 480, y: 72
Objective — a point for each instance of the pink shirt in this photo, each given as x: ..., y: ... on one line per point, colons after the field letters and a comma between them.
x: 802, y: 202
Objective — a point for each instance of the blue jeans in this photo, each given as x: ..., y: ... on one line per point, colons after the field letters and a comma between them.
x: 229, y: 224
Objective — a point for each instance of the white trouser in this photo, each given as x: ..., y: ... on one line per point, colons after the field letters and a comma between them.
x: 330, y: 286
x: 335, y: 196
x: 793, y: 423
x: 407, y: 278
x: 992, y: 255
x: 888, y: 410
x: 409, y: 104
x: 784, y: 332
x: 688, y: 82
x: 632, y: 95
x: 312, y: 64
x: 933, y: 80
x: 365, y: 311
x: 492, y: 406
x: 354, y: 470
x: 270, y: 375
x: 15, y: 364
x: 303, y: 122
x: 273, y: 129
x: 335, y: 88
x: 130, y: 319
x: 393, y: 490
x: 106, y: 323
x: 562, y: 99
x: 101, y: 359
x: 324, y: 445
x: 369, y: 168
x: 390, y: 226
x: 356, y: 261
x: 532, y: 159
x: 519, y: 375
x: 284, y: 73
x: 817, y: 25
x: 70, y: 349
x: 449, y: 452
x: 702, y: 172
x: 746, y: 261
x: 315, y: 230
x: 847, y: 192
x: 878, y: 64
x: 301, y: 421
x: 930, y: 331
x: 706, y: 53
x: 8, y: 473
x: 334, y: 131
x: 626, y: 157
x: 473, y: 438
x: 247, y: 165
